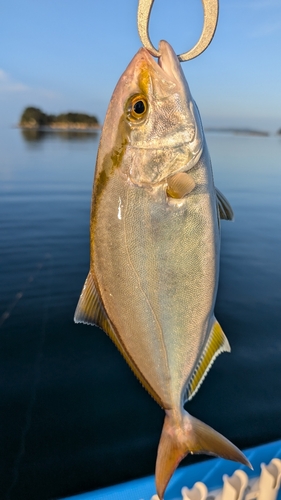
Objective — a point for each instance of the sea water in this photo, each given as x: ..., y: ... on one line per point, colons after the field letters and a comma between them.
x: 73, y: 416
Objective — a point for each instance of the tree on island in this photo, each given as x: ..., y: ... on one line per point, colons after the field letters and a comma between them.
x: 35, y: 118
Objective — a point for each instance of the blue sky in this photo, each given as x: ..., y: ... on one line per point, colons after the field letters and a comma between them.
x: 63, y: 55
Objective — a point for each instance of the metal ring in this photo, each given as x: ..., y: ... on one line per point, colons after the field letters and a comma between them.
x: 211, y: 12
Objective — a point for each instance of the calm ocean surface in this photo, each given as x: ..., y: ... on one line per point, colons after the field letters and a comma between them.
x: 73, y: 416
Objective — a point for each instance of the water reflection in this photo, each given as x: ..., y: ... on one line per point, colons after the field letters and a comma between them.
x: 55, y: 411
x: 36, y: 135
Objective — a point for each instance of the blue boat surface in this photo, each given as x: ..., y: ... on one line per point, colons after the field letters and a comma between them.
x: 220, y: 477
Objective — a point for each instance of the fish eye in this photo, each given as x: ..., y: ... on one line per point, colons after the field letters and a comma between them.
x: 137, y: 107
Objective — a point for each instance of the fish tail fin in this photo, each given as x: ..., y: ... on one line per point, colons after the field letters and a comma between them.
x: 184, y: 435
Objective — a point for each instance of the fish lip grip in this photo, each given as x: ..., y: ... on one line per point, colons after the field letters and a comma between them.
x: 211, y: 12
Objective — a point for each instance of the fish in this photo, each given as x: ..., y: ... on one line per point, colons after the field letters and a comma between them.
x: 155, y: 250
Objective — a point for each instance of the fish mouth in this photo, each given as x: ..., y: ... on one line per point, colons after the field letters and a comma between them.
x: 169, y: 62
x: 168, y: 66
x: 168, y: 69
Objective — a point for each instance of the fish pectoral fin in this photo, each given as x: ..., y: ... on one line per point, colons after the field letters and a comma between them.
x: 184, y: 435
x: 224, y: 207
x: 179, y: 185
x: 216, y: 344
x: 90, y: 310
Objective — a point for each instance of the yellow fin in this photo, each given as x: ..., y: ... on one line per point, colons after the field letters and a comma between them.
x: 179, y: 185
x: 216, y: 344
x: 224, y: 208
x: 91, y: 311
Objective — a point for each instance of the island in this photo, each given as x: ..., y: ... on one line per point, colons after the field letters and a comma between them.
x: 34, y: 119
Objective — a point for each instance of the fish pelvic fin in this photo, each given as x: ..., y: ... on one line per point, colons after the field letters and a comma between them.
x: 186, y: 434
x: 91, y: 311
x: 224, y: 207
x: 217, y: 343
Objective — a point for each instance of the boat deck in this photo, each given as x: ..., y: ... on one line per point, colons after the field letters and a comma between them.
x: 219, y: 477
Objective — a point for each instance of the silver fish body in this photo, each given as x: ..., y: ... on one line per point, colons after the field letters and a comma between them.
x: 155, y: 244
x: 156, y: 264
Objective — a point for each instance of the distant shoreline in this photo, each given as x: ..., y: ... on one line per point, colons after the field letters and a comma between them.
x: 238, y: 131
x: 86, y: 128
x: 62, y: 127
x: 81, y: 127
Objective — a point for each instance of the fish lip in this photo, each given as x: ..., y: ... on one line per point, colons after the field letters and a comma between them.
x: 168, y: 62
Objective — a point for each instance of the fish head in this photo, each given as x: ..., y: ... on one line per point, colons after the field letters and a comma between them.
x: 152, y: 124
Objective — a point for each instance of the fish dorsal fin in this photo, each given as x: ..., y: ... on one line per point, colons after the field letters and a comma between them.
x: 225, y: 210
x: 179, y: 185
x: 216, y: 344
x: 90, y: 309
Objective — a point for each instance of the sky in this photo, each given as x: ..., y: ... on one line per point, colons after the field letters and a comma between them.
x: 67, y: 55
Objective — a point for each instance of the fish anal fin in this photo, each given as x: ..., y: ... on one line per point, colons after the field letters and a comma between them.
x: 184, y: 435
x: 216, y: 344
x: 224, y: 207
